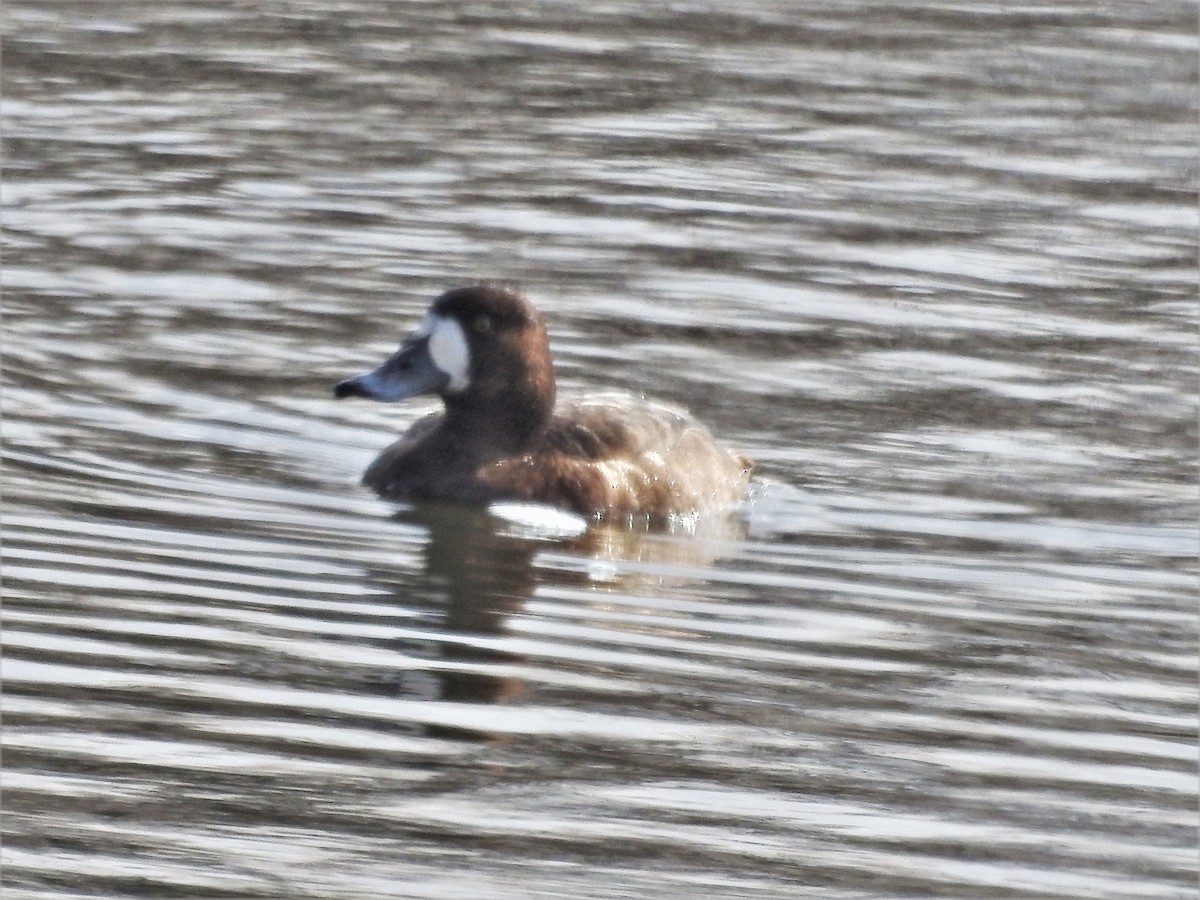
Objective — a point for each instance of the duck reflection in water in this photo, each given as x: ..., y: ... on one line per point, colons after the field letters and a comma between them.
x: 486, y: 576
x: 480, y: 569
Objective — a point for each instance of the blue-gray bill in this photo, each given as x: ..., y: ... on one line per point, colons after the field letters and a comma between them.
x: 409, y: 372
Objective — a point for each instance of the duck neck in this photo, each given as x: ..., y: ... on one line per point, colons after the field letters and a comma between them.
x: 500, y: 426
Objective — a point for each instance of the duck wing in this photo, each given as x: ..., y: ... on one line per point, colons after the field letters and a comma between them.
x: 613, y: 454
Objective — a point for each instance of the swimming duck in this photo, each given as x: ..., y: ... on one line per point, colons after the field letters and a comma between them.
x: 484, y: 351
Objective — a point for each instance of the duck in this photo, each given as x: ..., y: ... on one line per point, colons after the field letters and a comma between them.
x: 503, y: 435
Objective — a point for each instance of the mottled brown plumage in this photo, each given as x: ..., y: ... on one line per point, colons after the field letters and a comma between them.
x: 503, y: 438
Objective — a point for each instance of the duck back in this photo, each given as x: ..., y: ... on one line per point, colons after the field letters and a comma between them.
x: 604, y: 456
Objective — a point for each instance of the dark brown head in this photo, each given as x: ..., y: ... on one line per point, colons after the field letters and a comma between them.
x: 484, y: 351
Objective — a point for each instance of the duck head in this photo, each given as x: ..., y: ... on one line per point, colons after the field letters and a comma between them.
x: 485, y: 352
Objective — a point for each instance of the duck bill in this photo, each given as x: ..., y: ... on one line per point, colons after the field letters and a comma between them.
x: 409, y: 372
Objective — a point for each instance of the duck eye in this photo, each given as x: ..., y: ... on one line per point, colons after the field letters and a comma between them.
x: 481, y: 324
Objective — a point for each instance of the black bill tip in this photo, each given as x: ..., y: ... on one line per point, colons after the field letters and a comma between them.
x: 351, y: 387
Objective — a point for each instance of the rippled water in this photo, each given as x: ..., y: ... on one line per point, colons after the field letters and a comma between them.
x: 932, y: 266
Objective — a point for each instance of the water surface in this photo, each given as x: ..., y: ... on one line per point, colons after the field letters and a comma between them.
x: 932, y: 267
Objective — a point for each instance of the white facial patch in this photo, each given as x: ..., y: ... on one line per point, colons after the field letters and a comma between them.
x: 449, y: 350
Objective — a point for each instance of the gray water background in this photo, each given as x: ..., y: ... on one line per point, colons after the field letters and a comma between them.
x: 932, y: 265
